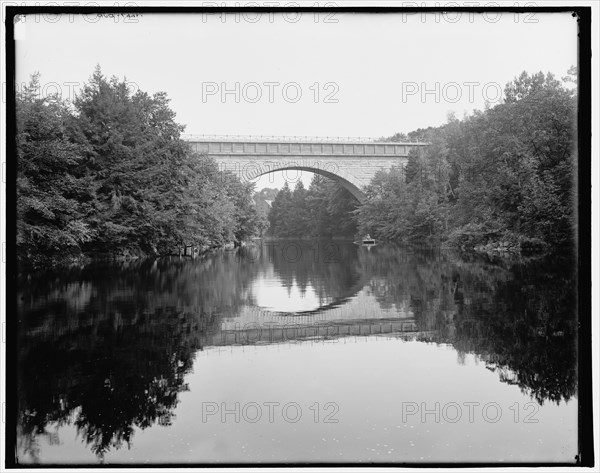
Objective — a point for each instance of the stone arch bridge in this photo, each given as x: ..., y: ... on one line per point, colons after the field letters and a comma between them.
x: 351, y: 161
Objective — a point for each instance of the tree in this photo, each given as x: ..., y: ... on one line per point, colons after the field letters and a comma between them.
x: 384, y: 214
x: 137, y: 158
x: 339, y: 210
x: 516, y: 163
x: 110, y: 174
x: 300, y: 214
x: 54, y: 191
x: 323, y: 210
x: 279, y: 218
x: 248, y: 222
x: 504, y: 175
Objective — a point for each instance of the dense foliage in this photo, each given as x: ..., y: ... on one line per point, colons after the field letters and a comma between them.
x: 503, y: 176
x: 263, y: 200
x: 324, y: 210
x: 110, y: 174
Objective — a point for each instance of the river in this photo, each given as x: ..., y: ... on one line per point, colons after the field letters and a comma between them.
x: 293, y: 352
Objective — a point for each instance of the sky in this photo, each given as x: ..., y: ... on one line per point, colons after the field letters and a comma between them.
x: 342, y: 74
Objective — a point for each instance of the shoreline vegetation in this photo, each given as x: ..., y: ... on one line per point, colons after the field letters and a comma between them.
x: 108, y: 174
x: 108, y: 177
x: 500, y: 181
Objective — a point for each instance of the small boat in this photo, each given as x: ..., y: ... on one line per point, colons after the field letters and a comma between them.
x: 367, y: 240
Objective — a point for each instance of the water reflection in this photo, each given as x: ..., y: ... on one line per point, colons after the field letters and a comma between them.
x: 109, y: 349
x: 519, y: 318
x: 302, y: 277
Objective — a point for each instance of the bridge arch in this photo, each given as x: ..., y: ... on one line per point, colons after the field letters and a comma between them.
x: 353, y: 162
x: 346, y: 180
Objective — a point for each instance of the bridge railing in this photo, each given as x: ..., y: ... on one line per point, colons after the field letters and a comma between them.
x: 278, y: 139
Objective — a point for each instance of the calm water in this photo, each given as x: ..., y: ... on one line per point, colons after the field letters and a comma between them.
x: 295, y: 352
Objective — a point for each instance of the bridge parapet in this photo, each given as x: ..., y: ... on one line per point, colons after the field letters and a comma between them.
x: 281, y: 138
x: 294, y: 149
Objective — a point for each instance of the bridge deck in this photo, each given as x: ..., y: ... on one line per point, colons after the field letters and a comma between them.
x: 251, y: 149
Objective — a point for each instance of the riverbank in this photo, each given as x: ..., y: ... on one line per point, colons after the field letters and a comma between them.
x: 65, y: 260
x: 508, y: 249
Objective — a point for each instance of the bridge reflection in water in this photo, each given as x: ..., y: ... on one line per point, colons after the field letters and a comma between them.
x: 114, y: 346
x: 299, y: 332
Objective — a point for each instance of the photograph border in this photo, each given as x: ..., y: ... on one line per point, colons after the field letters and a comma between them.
x: 584, y: 242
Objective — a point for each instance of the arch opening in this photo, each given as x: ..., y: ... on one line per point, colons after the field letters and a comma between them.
x: 345, y: 181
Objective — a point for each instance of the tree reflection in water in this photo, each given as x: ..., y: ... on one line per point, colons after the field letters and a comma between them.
x: 106, y: 347
x: 327, y: 267
x: 519, y: 317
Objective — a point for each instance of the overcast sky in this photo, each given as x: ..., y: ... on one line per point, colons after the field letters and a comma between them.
x: 366, y: 75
